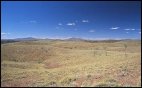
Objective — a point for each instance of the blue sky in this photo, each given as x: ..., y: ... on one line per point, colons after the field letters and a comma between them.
x: 65, y: 19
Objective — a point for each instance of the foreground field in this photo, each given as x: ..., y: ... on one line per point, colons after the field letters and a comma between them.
x: 70, y: 63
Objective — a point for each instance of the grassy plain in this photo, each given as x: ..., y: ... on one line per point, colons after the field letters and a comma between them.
x: 71, y: 63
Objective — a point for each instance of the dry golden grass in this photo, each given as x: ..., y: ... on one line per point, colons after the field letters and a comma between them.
x: 68, y: 63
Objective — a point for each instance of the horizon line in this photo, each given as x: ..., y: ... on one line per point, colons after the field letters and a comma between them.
x: 77, y: 38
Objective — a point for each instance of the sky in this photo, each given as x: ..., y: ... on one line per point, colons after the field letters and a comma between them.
x: 66, y: 19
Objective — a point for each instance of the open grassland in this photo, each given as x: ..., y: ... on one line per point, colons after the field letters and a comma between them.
x: 71, y: 63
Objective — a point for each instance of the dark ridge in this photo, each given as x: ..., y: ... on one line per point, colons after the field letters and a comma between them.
x: 3, y: 41
x: 106, y: 41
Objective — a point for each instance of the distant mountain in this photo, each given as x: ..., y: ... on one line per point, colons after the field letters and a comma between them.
x: 28, y: 38
x: 75, y: 39
x: 69, y: 39
x: 131, y: 39
x: 103, y: 41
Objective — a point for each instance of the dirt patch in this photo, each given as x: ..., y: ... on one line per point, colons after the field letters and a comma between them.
x: 80, y: 81
x: 24, y: 82
x: 128, y: 79
x: 50, y: 65
x: 92, y: 80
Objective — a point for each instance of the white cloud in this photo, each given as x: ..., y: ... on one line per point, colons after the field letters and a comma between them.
x: 114, y: 28
x: 59, y: 28
x: 132, y: 29
x: 4, y: 33
x: 85, y: 21
x: 33, y: 21
x: 71, y: 24
x: 137, y: 29
x: 91, y: 31
x: 127, y: 32
x: 129, y: 29
x: 29, y: 21
x: 139, y: 32
x: 60, y: 24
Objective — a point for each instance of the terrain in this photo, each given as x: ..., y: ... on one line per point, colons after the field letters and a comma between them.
x: 44, y: 63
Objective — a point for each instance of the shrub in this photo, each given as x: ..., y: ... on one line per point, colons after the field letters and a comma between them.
x: 52, y: 84
x: 88, y: 76
x: 125, y: 46
x: 105, y: 48
x: 109, y: 83
x: 68, y: 81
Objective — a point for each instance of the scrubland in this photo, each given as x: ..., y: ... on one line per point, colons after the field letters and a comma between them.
x: 71, y: 64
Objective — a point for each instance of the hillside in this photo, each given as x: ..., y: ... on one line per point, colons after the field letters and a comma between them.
x: 45, y: 63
